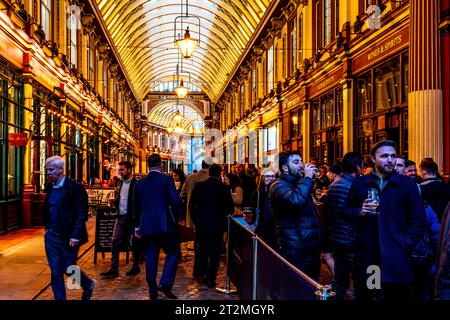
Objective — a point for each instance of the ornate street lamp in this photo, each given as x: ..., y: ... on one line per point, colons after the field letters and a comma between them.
x: 186, y: 45
x: 181, y: 91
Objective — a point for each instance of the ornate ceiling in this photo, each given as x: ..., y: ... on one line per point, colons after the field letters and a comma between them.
x: 143, y: 32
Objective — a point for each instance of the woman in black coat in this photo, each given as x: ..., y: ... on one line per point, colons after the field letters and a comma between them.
x: 263, y: 212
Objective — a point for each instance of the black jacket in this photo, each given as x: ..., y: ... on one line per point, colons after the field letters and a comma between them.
x: 73, y: 211
x: 435, y: 193
x: 295, y: 217
x: 443, y: 259
x: 210, y: 203
x: 341, y: 231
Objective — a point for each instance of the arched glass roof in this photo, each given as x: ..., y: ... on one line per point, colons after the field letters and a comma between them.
x: 163, y: 115
x: 143, y: 32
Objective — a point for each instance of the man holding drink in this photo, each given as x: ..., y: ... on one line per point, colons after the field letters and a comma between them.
x: 390, y: 219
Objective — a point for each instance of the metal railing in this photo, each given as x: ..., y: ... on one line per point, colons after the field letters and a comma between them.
x: 269, y: 275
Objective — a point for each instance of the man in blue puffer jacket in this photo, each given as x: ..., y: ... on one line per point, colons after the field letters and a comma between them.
x: 296, y: 222
x: 341, y: 230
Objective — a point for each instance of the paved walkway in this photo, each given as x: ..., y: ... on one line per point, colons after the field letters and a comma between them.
x: 25, y: 275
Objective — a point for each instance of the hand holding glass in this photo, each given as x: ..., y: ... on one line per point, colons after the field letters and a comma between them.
x: 374, y: 200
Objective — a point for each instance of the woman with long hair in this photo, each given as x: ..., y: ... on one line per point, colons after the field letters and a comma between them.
x: 179, y: 177
x: 237, y: 193
x: 260, y: 201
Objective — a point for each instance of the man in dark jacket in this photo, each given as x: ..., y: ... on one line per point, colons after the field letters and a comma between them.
x: 296, y: 222
x: 341, y: 230
x: 386, y: 237
x: 157, y: 208
x: 123, y: 228
x: 443, y: 259
x: 210, y: 203
x: 248, y: 184
x: 434, y: 190
x: 65, y: 216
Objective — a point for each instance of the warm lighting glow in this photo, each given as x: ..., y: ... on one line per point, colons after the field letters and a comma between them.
x: 294, y: 120
x: 178, y: 117
x: 181, y: 91
x: 187, y: 45
x: 178, y: 129
x: 169, y: 129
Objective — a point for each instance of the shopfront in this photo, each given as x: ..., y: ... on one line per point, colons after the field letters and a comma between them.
x: 12, y: 134
x: 270, y: 144
x: 381, y: 96
x: 326, y: 127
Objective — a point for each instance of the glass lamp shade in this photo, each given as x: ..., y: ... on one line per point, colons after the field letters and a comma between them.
x: 294, y: 120
x: 187, y: 45
x: 178, y: 117
x: 169, y: 129
x: 181, y: 91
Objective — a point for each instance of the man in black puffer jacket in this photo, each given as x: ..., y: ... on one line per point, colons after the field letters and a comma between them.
x: 342, y: 231
x: 296, y: 222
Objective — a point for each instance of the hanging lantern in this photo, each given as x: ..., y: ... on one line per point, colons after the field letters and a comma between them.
x: 187, y: 45
x: 181, y: 91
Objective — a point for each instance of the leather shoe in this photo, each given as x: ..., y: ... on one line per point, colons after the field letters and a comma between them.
x: 133, y: 271
x: 87, y: 293
x: 110, y: 273
x: 167, y: 292
x: 154, y: 296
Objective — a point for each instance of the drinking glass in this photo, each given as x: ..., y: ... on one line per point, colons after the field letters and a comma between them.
x: 374, y: 200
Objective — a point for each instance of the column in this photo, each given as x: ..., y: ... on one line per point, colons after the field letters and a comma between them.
x: 425, y: 117
x: 347, y: 121
x: 306, y: 131
x: 444, y: 27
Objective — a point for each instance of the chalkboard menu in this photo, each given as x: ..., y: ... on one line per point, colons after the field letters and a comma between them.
x: 104, y: 227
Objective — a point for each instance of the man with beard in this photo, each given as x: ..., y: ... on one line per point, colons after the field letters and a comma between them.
x: 385, y: 236
x: 295, y: 218
x: 411, y: 171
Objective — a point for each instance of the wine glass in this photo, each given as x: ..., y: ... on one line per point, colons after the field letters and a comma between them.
x: 374, y: 200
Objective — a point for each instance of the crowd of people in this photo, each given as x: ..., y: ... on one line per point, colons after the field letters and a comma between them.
x: 381, y: 228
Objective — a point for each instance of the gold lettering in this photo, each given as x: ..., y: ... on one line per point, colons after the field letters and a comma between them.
x: 387, y: 46
x: 325, y: 83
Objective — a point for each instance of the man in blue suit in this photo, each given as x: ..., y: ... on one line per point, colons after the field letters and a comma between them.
x: 156, y: 213
x: 65, y: 216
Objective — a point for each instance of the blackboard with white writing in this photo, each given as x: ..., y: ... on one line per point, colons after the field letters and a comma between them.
x: 104, y: 227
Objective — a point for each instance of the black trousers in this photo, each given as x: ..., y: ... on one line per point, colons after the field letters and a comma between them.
x: 209, y: 244
x: 307, y: 262
x: 344, y: 268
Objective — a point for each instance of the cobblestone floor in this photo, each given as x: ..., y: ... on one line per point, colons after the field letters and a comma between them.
x: 135, y: 287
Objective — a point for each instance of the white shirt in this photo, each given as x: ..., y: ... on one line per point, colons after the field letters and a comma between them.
x: 123, y: 203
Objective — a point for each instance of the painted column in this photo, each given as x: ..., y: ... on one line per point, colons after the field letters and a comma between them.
x: 425, y: 117
x: 444, y: 27
x: 347, y: 121
x: 306, y: 131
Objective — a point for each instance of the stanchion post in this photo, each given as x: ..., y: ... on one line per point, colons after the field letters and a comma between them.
x: 255, y: 267
x: 227, y: 289
x: 324, y: 292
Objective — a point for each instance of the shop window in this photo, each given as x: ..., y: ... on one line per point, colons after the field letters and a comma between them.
x: 292, y: 46
x: 270, y: 69
x: 296, y: 123
x: 405, y: 77
x: 283, y: 56
x: 254, y: 85
x: 11, y: 157
x: 326, y: 13
x: 241, y: 99
x: 315, y: 115
x: 339, y: 106
x: 72, y: 29
x: 46, y: 17
x: 300, y: 38
x: 387, y: 84
x: 364, y: 94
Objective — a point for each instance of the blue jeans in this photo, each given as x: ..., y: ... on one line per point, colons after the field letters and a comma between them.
x: 60, y: 256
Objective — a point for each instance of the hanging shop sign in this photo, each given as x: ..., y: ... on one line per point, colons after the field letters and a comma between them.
x: 17, y: 139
